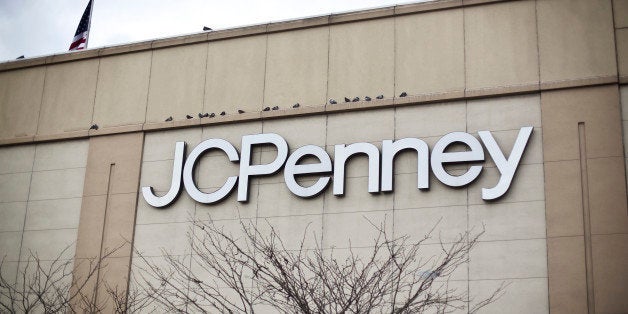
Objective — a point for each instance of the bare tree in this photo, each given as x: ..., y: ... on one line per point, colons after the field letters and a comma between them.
x: 255, y: 270
x: 53, y: 286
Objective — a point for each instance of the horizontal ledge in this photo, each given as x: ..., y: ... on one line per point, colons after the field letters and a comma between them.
x: 427, y: 98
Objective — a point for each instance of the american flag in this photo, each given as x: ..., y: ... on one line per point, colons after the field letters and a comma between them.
x: 82, y: 31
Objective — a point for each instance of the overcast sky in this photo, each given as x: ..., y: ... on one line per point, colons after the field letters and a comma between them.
x: 43, y: 27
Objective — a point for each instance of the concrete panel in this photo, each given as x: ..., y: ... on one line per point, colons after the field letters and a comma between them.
x: 610, y: 270
x: 12, y: 216
x: 68, y: 100
x: 20, y: 101
x: 160, y: 145
x: 181, y: 211
x: 361, y: 59
x: 295, y: 230
x: 10, y: 245
x: 122, y: 89
x: 91, y: 226
x: 232, y: 132
x: 623, y: 91
x: 299, y: 131
x: 123, y: 163
x: 53, y: 214
x: 575, y: 39
x: 235, y: 75
x: 508, y: 259
x: 357, y: 198
x: 177, y: 82
x: 406, y: 194
x: 277, y: 200
x: 17, y: 158
x: 501, y: 45
x: 49, y: 244
x: 295, y: 72
x: 346, y: 230
x: 563, y: 198
x: 567, y: 275
x: 353, y: 127
x: 8, y: 272
x: 597, y: 107
x: 509, y: 221
x: 61, y: 155
x: 620, y: 10
x: 430, y: 120
x: 607, y: 195
x: 429, y: 52
x: 55, y: 184
x: 527, y: 185
x: 151, y: 239
x: 446, y: 222
x: 119, y: 224
x: 488, y: 114
x: 230, y: 208
x: 621, y: 35
x: 521, y: 295
x: 157, y: 174
x: 14, y: 187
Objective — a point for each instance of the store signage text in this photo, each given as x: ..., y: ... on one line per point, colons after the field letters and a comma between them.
x: 380, y: 165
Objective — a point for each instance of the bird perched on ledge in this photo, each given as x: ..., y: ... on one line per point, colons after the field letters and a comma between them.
x: 223, y: 113
x: 205, y: 28
x: 380, y: 97
x: 276, y: 108
x: 94, y: 127
x: 404, y: 94
x: 187, y: 116
x: 332, y: 101
x: 297, y: 105
x: 266, y: 109
x: 240, y: 111
x: 168, y: 119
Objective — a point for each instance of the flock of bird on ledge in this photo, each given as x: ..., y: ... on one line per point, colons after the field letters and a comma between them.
x: 240, y: 111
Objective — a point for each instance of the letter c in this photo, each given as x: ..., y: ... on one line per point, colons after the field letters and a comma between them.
x: 188, y: 178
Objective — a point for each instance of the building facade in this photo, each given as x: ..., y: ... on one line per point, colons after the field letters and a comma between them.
x: 558, y: 233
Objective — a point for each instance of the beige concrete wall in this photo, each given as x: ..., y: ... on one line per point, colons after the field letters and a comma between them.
x: 503, y: 47
x: 40, y: 202
x: 586, y: 200
x: 512, y: 250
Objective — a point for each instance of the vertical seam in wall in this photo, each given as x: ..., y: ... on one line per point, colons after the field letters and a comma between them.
x: 112, y: 167
x: 41, y: 102
x: 204, y: 88
x: 265, y: 73
x: 615, y: 36
x: 132, y: 240
x: 96, y: 90
x: 28, y: 198
x: 538, y: 57
x: 150, y: 74
x: 466, y: 127
x: 394, y: 118
x: 327, y: 80
x: 586, y: 216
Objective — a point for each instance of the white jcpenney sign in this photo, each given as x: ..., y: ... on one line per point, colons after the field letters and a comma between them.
x: 380, y: 178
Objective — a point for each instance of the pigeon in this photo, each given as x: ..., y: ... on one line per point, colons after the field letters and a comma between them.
x: 380, y: 97
x: 200, y: 115
x: 205, y: 28
x: 168, y: 119
x: 223, y: 113
x: 276, y: 108
x: 240, y: 111
x: 20, y: 57
x: 297, y: 105
x: 367, y: 98
x: 266, y: 109
x: 94, y: 127
x: 347, y: 99
x: 211, y: 115
x: 333, y: 102
x: 187, y: 116
x: 404, y: 94
x: 356, y: 99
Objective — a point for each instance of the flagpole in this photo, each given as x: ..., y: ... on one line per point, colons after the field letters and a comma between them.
x: 89, y: 26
